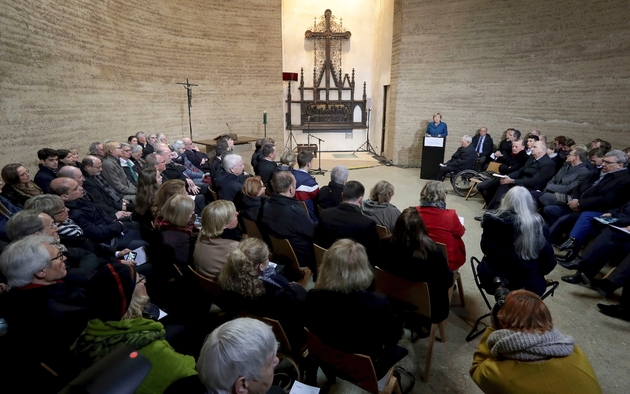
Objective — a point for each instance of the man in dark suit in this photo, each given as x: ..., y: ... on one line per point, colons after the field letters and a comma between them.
x: 267, y: 166
x: 534, y: 175
x: 347, y: 221
x: 516, y: 160
x: 483, y: 145
x: 99, y: 190
x: 330, y: 196
x: 198, y: 159
x: 463, y: 159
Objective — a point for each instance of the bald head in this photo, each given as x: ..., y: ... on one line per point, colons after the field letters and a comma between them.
x: 66, y: 188
x: 71, y: 172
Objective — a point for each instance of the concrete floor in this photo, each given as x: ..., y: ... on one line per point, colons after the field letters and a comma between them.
x: 573, y: 307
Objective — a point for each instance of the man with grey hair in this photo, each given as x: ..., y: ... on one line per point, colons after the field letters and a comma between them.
x: 142, y: 139
x: 239, y: 357
x: 330, y: 196
x: 35, y: 270
x: 96, y: 149
x: 198, y: 159
x: 127, y: 165
x: 463, y: 159
x: 180, y: 159
x: 150, y: 148
x: 229, y: 180
x: 572, y: 173
x: 54, y: 207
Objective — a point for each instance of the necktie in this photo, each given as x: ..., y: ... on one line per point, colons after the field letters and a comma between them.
x: 480, y: 144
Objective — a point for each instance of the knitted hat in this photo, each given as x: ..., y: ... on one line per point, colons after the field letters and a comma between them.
x: 110, y: 291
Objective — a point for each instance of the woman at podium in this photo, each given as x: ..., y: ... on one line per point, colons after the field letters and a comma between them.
x: 437, y: 128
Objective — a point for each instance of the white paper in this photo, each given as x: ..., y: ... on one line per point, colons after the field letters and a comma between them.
x: 434, y: 141
x: 301, y: 388
x: 461, y: 220
x: 499, y: 175
x: 620, y: 229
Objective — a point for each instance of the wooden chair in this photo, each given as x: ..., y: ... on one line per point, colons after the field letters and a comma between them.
x: 474, y: 182
x: 283, y: 248
x: 382, y: 231
x: 319, y: 210
x: 354, y: 368
x: 416, y: 294
x: 251, y: 228
x: 493, y: 167
x: 214, y: 195
x: 456, y: 277
x: 319, y: 255
x: 305, y: 207
x: 284, y: 346
x: 208, y: 284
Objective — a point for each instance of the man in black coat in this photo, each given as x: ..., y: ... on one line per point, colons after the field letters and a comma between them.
x: 534, y: 175
x: 284, y: 217
x: 267, y: 166
x: 48, y: 163
x: 99, y: 190
x: 463, y: 159
x: 229, y: 180
x: 198, y: 159
x: 347, y: 221
x: 483, y: 145
x: 330, y: 196
x: 516, y: 160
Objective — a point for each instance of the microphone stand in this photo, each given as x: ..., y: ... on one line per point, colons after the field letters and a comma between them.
x: 366, y: 146
x: 319, y: 170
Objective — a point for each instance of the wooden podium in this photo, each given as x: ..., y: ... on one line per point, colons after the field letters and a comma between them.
x: 432, y: 156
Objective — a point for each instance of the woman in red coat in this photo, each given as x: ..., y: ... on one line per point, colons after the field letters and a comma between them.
x: 443, y: 224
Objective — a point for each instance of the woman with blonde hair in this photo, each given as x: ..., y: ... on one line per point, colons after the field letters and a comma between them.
x: 515, y: 243
x: 526, y: 354
x: 250, y: 284
x: 168, y: 189
x: 344, y: 314
x: 217, y: 238
x: 378, y: 206
x: 176, y: 226
x: 443, y: 224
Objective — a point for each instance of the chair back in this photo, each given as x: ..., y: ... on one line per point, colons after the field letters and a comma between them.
x: 251, y: 228
x: 355, y: 368
x: 214, y: 195
x: 415, y: 294
x: 494, y: 167
x: 383, y: 232
x: 443, y: 248
x: 305, y: 207
x: 319, y: 255
x: 210, y: 285
x: 283, y: 249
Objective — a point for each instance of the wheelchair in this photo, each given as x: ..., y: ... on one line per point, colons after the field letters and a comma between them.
x: 462, y: 183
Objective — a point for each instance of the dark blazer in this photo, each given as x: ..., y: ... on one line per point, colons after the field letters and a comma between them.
x: 462, y: 159
x: 486, y: 148
x: 148, y: 149
x: 358, y: 322
x: 535, y: 174
x: 43, y: 178
x: 227, y: 185
x: 505, y: 147
x: 346, y: 221
x: 195, y: 158
x: 330, y: 196
x: 266, y: 169
x: 249, y: 207
x: 284, y: 217
x: 95, y: 223
x: 567, y: 178
x: 100, y: 195
x: 611, y: 192
x: 512, y: 163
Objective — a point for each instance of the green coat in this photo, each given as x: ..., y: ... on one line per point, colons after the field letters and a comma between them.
x: 167, y: 366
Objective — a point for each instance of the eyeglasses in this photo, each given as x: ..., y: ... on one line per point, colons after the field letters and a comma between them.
x: 141, y: 279
x: 610, y: 162
x: 59, y: 257
x: 60, y: 212
x: 53, y: 225
x: 25, y: 173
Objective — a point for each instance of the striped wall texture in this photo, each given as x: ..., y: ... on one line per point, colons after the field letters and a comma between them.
x: 76, y: 71
x: 561, y: 67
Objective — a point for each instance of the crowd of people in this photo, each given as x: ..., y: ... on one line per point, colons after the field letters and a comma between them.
x: 87, y: 241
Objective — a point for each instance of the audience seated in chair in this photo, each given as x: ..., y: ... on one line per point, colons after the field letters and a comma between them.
x: 113, y: 172
x: 525, y: 353
x: 346, y: 316
x: 18, y: 185
x: 217, y: 238
x: 267, y: 165
x: 48, y: 164
x: 483, y: 145
x: 176, y: 227
x: 515, y: 243
x: 412, y: 255
x: 443, y: 224
x: 306, y: 187
x: 116, y: 297
x: 330, y: 196
x: 252, y: 198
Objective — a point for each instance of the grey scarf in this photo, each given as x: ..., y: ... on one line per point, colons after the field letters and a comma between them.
x: 524, y: 346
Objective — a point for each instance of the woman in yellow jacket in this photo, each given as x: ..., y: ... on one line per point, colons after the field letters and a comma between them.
x: 528, y: 355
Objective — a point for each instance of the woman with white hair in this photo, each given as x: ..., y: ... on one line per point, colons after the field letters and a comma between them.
x: 516, y: 246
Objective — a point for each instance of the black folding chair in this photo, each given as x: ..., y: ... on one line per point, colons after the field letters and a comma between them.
x: 475, y: 332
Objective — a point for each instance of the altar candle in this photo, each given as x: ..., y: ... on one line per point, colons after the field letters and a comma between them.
x: 265, y: 117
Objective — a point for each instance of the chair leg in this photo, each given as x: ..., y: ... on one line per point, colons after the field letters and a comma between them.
x: 460, y: 290
x: 470, y: 190
x: 441, y: 326
x: 427, y: 363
